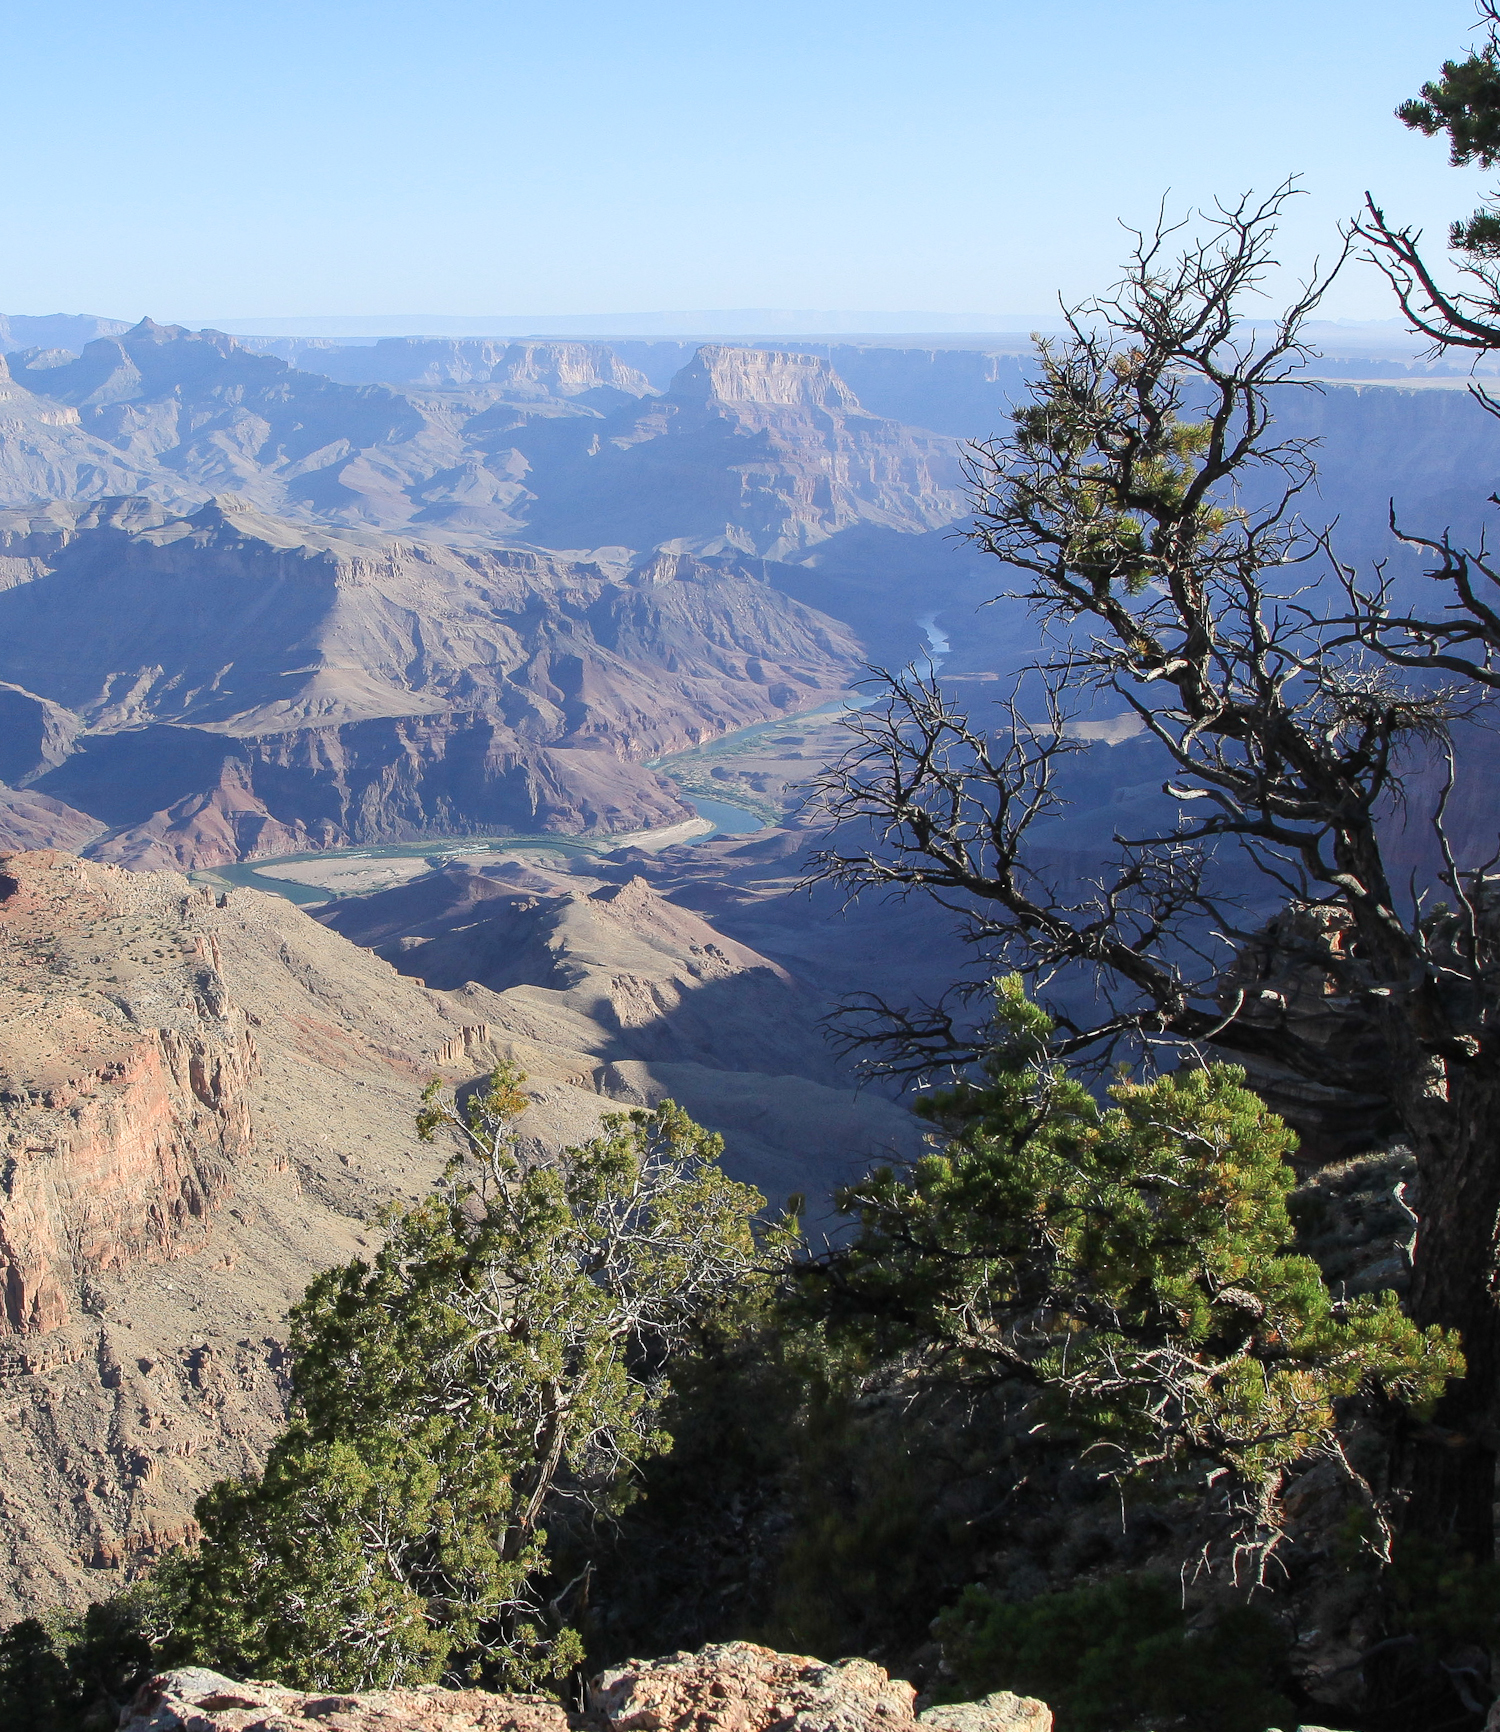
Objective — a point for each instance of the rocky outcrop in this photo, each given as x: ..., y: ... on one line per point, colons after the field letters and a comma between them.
x: 193, y: 1699
x: 31, y: 820
x: 740, y: 1687
x: 121, y: 1119
x: 726, y: 1687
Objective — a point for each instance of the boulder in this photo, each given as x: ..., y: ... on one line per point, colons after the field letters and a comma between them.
x: 196, y: 1700
x: 740, y: 1687
x: 1001, y: 1710
x: 725, y: 1687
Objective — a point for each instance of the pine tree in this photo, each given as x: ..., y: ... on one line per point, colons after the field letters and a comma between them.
x: 1129, y: 1262
x: 503, y: 1353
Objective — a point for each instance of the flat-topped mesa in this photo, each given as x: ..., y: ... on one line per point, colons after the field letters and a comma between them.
x: 565, y: 370
x: 527, y: 369
x: 122, y: 1110
x: 772, y: 377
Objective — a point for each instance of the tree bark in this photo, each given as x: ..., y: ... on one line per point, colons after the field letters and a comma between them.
x: 1452, y: 1111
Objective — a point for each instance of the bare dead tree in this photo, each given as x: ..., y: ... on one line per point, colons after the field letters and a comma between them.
x: 1121, y: 495
x: 952, y: 805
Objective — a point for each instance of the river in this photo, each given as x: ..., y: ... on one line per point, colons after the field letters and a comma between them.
x: 727, y: 820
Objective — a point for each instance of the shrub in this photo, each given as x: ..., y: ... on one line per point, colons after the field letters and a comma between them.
x: 1120, y: 1655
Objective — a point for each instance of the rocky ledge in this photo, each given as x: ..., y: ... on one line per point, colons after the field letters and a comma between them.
x: 726, y: 1687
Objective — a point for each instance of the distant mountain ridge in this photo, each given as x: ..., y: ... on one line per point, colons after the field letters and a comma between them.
x: 763, y: 452
x: 55, y: 330
x: 252, y: 607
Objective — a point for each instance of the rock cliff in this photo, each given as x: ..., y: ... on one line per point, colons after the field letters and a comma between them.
x: 750, y: 450
x: 203, y: 1101
x: 527, y: 371
x: 126, y: 1110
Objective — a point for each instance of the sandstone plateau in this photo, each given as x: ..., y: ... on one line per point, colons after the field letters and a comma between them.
x: 725, y: 1687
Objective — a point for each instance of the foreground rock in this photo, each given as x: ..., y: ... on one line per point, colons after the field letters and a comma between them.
x: 740, y: 1687
x: 725, y: 1687
x: 196, y: 1700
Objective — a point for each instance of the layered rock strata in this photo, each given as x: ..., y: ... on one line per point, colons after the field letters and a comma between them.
x: 204, y: 1100
x: 126, y: 1108
x: 224, y: 686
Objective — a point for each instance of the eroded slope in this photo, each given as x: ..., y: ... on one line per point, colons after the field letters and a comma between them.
x: 203, y: 1101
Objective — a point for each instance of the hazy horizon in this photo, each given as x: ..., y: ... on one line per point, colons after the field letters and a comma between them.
x: 702, y: 324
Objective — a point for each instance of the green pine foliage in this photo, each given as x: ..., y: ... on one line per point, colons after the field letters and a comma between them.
x: 594, y: 1378
x: 1064, y: 1293
x: 500, y: 1357
x: 1465, y: 103
x: 1128, y: 1261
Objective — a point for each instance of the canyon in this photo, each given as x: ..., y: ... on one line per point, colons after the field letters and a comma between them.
x: 217, y: 687
x: 437, y: 587
x: 257, y: 604
x: 207, y: 1097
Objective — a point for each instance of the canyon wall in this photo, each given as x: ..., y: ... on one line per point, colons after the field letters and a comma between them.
x: 204, y: 1101
x: 224, y: 686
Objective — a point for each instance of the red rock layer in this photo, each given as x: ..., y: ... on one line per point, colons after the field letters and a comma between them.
x: 118, y: 1138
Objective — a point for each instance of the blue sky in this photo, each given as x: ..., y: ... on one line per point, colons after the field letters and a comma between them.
x: 222, y: 160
